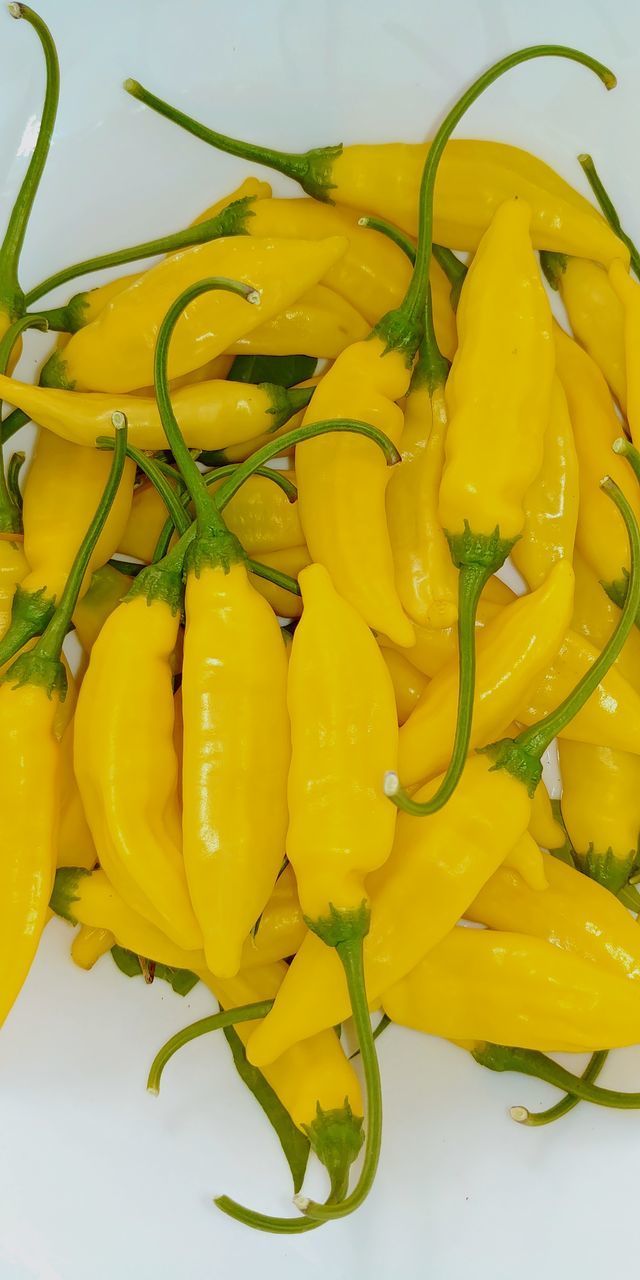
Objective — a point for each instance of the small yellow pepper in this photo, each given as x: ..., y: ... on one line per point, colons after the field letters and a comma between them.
x: 595, y: 315
x: 75, y: 842
x: 89, y: 945
x: 551, y: 503
x: 601, y: 809
x: 408, y: 682
x: 628, y: 292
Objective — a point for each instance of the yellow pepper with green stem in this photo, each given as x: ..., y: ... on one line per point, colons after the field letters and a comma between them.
x: 595, y: 315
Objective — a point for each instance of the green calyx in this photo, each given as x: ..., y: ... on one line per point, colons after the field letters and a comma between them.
x: 336, y: 1137
x: 486, y: 551
x: 617, y: 592
x: 39, y: 669
x: 554, y: 266
x: 507, y: 754
x: 312, y: 169
x: 159, y: 583
x: 64, y: 892
x: 610, y: 870
x: 54, y: 373
x: 30, y: 614
x: 285, y: 402
x: 341, y: 926
x: 215, y: 548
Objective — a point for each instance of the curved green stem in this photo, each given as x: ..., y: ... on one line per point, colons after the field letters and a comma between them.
x: 562, y: 1108
x: 528, y: 1062
x: 207, y: 514
x: 276, y: 576
x: 10, y: 509
x: 215, y: 1022
x: 454, y: 269
x: 16, y: 463
x: 11, y: 295
x: 471, y: 582
x: 402, y: 328
x: 268, y: 473
x: 265, y: 1222
x: 156, y: 474
x: 350, y: 952
x: 608, y: 208
x: 535, y: 740
x: 230, y: 221
x: 12, y: 423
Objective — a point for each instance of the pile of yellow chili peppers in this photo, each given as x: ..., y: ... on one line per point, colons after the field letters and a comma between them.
x: 297, y: 754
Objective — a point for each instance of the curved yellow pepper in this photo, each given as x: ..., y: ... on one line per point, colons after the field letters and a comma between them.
x: 320, y: 324
x: 596, y: 317
x: 115, y: 352
x: 601, y: 809
x: 551, y: 503
x: 408, y: 682
x: 628, y: 292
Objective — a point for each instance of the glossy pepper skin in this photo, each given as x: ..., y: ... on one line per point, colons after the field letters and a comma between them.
x: 211, y: 414
x: 595, y: 315
x: 434, y: 647
x: 443, y: 859
x: 574, y: 913
x: 601, y: 809
x: 61, y: 492
x: 344, y: 737
x: 595, y: 617
x: 125, y: 760
x: 475, y: 178
x: 596, y: 425
x: 281, y: 929
x: 13, y: 568
x: 512, y: 652
x: 290, y: 560
x: 115, y: 352
x: 544, y: 828
x: 551, y: 503
x: 408, y: 682
x: 89, y: 945
x: 628, y: 293
x: 75, y: 846
x: 483, y: 985
x: 320, y: 323
x: 499, y: 388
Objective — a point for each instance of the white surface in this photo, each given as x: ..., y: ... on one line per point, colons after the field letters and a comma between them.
x: 97, y: 1180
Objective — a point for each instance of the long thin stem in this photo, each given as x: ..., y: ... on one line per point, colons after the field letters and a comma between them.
x: 471, y: 582
x: 454, y: 269
x: 228, y: 222
x: 608, y: 208
x: 350, y: 953
x: 50, y: 643
x: 528, y: 1062
x: 276, y: 576
x: 12, y: 423
x: 215, y: 1022
x: 11, y: 297
x: 10, y: 513
x: 562, y: 1108
x: 206, y: 512
x: 536, y: 739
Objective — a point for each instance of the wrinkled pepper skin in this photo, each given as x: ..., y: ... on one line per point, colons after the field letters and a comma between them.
x: 342, y: 481
x: 115, y: 352
x: 499, y: 389
x: 62, y: 489
x: 443, y: 860
x: 13, y: 568
x: 126, y: 764
x: 344, y: 737
x: 512, y: 652
x: 236, y: 757
x: 601, y: 809
x: 551, y: 503
x: 600, y: 537
x: 574, y: 913
x: 597, y: 319
x: 514, y: 989
x: 211, y: 414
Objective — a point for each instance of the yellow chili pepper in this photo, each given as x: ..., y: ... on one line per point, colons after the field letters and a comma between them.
x: 595, y: 616
x: 408, y: 682
x: 601, y: 809
x: 320, y: 324
x: 115, y: 352
x: 211, y: 414
x: 526, y: 859
x: 75, y: 842
x: 628, y: 293
x: 551, y: 503
x: 436, y: 646
x: 107, y: 588
x: 475, y: 179
x: 595, y: 315
x: 245, y: 448
x: 544, y: 828
x: 574, y: 913
x: 514, y: 989
x: 89, y: 945
x: 444, y: 860
x: 281, y: 927
x: 30, y: 694
x: 512, y: 652
x: 13, y: 568
x: 62, y: 489
x: 595, y: 427
x: 250, y: 188
x: 262, y: 516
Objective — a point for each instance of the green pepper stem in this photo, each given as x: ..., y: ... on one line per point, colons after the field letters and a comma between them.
x: 350, y: 951
x: 229, y: 221
x: 49, y: 645
x: 528, y: 1062
x: 454, y: 269
x: 276, y: 576
x: 215, y: 1022
x: 207, y: 514
x: 608, y: 208
x: 535, y: 1119
x: 11, y: 296
x: 16, y: 463
x: 472, y: 579
x: 12, y: 423
x: 10, y: 511
x: 402, y: 329
x: 157, y: 474
x: 536, y: 739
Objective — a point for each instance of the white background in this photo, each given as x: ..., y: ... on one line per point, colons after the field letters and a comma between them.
x: 97, y: 1180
